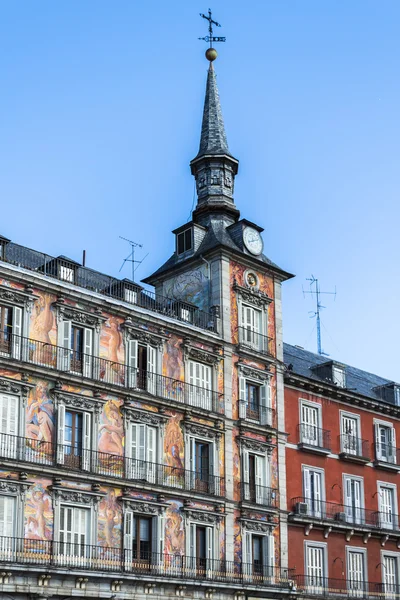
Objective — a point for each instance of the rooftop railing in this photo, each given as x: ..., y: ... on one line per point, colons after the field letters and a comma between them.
x: 64, y: 269
x: 109, y: 372
x: 252, y: 340
x: 63, y: 554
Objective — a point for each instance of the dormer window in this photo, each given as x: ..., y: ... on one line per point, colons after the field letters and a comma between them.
x: 184, y: 241
x: 338, y: 376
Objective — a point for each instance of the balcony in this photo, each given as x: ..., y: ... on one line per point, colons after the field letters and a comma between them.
x: 255, y: 342
x: 92, y: 367
x: 84, y: 557
x: 15, y: 448
x: 313, y: 439
x: 387, y: 456
x: 63, y: 269
x: 312, y: 509
x: 257, y: 413
x: 258, y: 494
x: 316, y: 585
x: 354, y: 449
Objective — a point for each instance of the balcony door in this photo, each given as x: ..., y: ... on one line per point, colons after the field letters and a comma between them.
x: 74, y: 532
x: 313, y: 491
x: 200, y: 388
x: 310, y: 425
x: 315, y: 567
x: 350, y: 435
x: 353, y: 496
x: 356, y: 572
x: 386, y: 507
x: 256, y: 480
x: 251, y: 325
x: 8, y: 425
x: 7, y: 525
x: 385, y: 442
x: 390, y: 575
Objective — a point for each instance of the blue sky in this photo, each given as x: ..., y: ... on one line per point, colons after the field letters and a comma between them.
x: 100, y: 114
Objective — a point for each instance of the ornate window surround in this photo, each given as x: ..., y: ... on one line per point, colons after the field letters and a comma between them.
x: 251, y: 445
x: 23, y: 299
x: 197, y: 431
x: 79, y: 316
x: 199, y: 355
x: 253, y: 374
x: 148, y: 508
x: 195, y: 517
x: 132, y: 330
x: 14, y: 488
x: 155, y: 419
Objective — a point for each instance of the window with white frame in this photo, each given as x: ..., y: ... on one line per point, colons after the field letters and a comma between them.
x: 338, y: 376
x: 74, y: 430
x: 74, y: 531
x: 314, y: 490
x: 350, y: 430
x: 390, y: 574
x: 143, y: 537
x: 252, y: 327
x: 77, y: 348
x: 258, y: 552
x: 200, y: 388
x: 10, y: 331
x: 310, y: 424
x: 316, y: 569
x: 256, y: 478
x: 354, y: 499
x: 385, y: 442
x: 356, y: 570
x: 7, y: 521
x: 142, y: 366
x: 201, y: 545
x: 255, y: 399
x: 9, y: 425
x: 387, y: 505
x: 141, y: 451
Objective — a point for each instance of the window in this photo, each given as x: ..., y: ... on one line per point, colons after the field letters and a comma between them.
x: 200, y: 546
x: 141, y: 451
x: 390, y: 574
x: 74, y: 438
x: 315, y: 565
x: 385, y: 443
x: 258, y: 555
x: 387, y: 506
x: 256, y: 478
x: 77, y: 345
x: 130, y: 296
x: 10, y: 331
x: 255, y: 401
x: 313, y: 488
x: 142, y: 366
x: 143, y: 537
x: 310, y: 432
x: 200, y: 389
x: 9, y: 425
x: 251, y: 325
x: 184, y: 241
x: 338, y: 376
x: 202, y: 461
x: 7, y: 522
x: 354, y: 499
x: 74, y: 535
x: 356, y: 569
x: 350, y: 441
x: 66, y: 273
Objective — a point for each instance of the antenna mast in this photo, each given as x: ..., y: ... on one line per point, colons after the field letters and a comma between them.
x: 314, y: 282
x: 131, y: 257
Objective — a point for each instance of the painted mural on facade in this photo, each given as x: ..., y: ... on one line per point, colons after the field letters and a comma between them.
x: 174, y: 544
x: 111, y: 437
x: 43, y: 328
x: 173, y: 369
x: 39, y: 420
x: 38, y: 511
x: 112, y: 349
x: 174, y: 448
x: 190, y: 286
x: 110, y: 519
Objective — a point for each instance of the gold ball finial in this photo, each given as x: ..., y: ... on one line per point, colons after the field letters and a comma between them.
x: 211, y: 54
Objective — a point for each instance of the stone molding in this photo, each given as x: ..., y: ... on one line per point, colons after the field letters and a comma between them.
x: 66, y: 312
x: 15, y: 387
x: 133, y: 415
x: 79, y: 402
x: 86, y: 497
x: 193, y: 428
x: 256, y: 526
x: 15, y: 296
x: 253, y: 373
x: 250, y: 296
x: 135, y: 332
x: 202, y: 516
x: 200, y: 355
x: 13, y: 487
x: 254, y: 445
x: 143, y: 507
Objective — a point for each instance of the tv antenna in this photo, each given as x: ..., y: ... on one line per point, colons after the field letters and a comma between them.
x: 131, y: 257
x: 316, y: 290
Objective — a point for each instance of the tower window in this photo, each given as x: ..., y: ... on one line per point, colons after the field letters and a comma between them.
x: 184, y: 241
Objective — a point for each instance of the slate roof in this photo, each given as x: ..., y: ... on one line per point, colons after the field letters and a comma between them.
x: 357, y: 381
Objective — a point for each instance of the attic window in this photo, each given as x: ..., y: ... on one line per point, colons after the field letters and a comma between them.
x: 184, y: 241
x: 397, y: 395
x: 67, y: 273
x: 338, y: 376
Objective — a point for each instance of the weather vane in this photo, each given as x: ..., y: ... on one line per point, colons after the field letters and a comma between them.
x: 211, y: 53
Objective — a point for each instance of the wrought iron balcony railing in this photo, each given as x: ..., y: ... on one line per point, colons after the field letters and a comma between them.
x: 62, y: 554
x: 314, y: 438
x: 66, y: 270
x: 353, y: 587
x: 109, y: 372
x: 353, y: 446
x: 76, y: 458
x: 258, y: 494
x: 341, y: 513
x: 256, y: 411
x: 387, y: 454
x: 255, y: 341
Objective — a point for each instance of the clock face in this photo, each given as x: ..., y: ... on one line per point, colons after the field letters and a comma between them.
x: 252, y: 240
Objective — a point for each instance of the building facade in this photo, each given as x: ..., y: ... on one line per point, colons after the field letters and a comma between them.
x: 342, y: 478
x: 142, y: 445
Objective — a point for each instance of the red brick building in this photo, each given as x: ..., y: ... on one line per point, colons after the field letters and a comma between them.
x: 342, y: 466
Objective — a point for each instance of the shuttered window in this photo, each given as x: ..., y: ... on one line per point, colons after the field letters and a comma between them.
x: 200, y: 380
x: 8, y: 425
x: 315, y: 565
x: 386, y: 507
x: 355, y: 571
x: 7, y: 518
x: 141, y: 450
x: 354, y: 500
x: 313, y: 491
x: 310, y: 425
x: 390, y: 574
x: 74, y: 530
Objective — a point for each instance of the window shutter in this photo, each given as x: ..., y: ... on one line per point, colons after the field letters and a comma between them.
x: 307, y: 487
x: 246, y: 480
x: 378, y: 450
x: 348, y: 497
x: 191, y: 546
x: 242, y: 397
x: 264, y: 410
x: 141, y: 451
x: 60, y: 429
x: 132, y: 363
x: 192, y: 461
x: 207, y: 384
x: 271, y: 554
x: 17, y: 332
x: 7, y: 506
x: 260, y: 480
x: 134, y: 451
x: 154, y: 550
x: 86, y: 438
x: 87, y: 352
x: 151, y: 369
x: 247, y: 566
x: 161, y: 536
x: 151, y: 453
x: 64, y: 353
x: 192, y: 389
x: 8, y: 425
x: 209, y: 549
x: 128, y: 540
x: 213, y: 468
x: 393, y: 444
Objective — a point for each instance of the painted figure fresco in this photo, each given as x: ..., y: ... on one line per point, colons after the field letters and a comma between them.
x: 43, y: 329
x: 190, y: 287
x: 110, y: 520
x: 111, y: 437
x: 174, y: 448
x: 174, y: 530
x: 112, y: 349
x: 38, y: 512
x: 173, y: 369
x: 40, y: 420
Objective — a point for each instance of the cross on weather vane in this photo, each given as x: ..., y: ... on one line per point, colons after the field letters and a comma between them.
x: 211, y: 54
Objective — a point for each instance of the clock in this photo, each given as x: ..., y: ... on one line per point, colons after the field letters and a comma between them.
x: 252, y: 240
